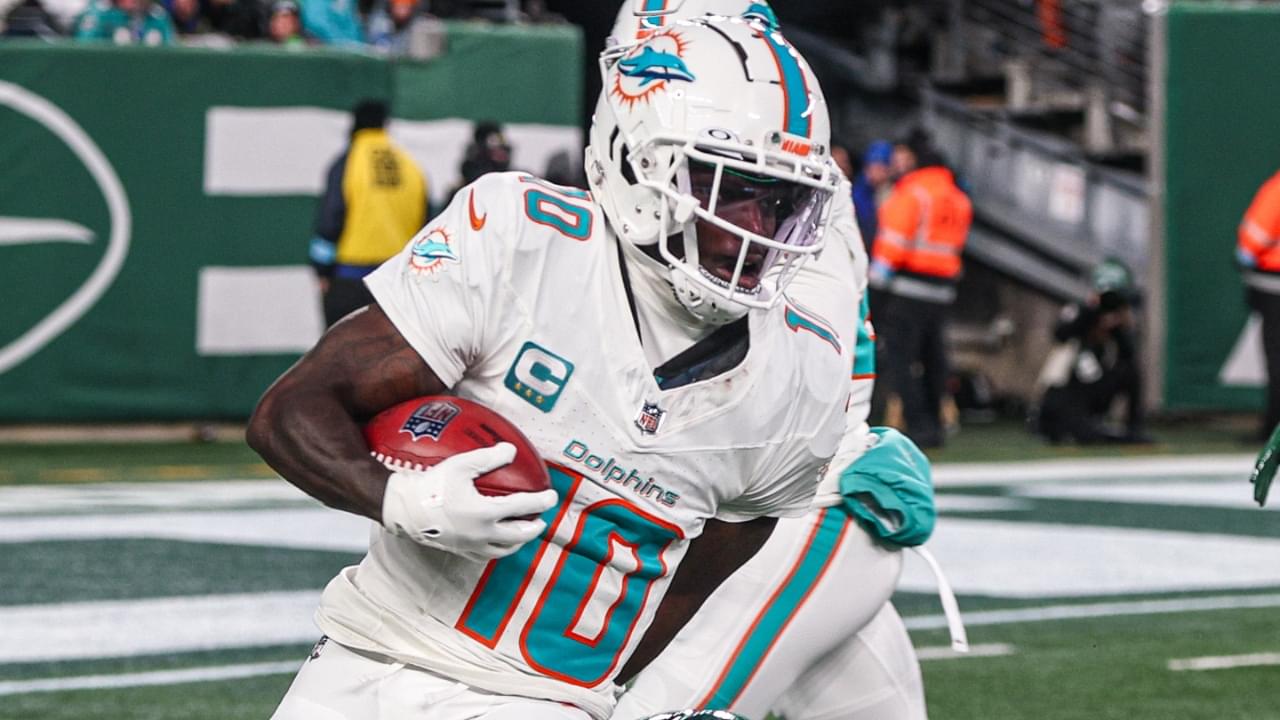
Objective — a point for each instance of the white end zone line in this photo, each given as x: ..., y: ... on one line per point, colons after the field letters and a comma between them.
x: 159, y: 677
x: 1225, y: 662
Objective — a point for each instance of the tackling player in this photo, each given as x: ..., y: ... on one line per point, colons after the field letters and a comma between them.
x: 640, y: 337
x: 805, y: 628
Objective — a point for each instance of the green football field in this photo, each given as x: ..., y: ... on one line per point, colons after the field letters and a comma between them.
x: 178, y: 581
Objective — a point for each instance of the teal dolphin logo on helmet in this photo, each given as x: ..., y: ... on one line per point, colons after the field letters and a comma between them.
x: 651, y: 65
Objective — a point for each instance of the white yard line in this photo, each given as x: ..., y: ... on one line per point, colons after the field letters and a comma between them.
x: 1225, y: 662
x: 157, y: 496
x: 945, y: 652
x: 140, y: 679
x: 124, y: 628
x: 1040, y: 560
x: 297, y: 528
x: 1097, y: 610
x: 1230, y: 492
x: 1018, y: 473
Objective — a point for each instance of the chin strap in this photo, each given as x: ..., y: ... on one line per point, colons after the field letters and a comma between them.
x: 704, y: 305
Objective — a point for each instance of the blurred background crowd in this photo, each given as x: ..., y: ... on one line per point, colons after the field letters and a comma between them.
x: 397, y: 27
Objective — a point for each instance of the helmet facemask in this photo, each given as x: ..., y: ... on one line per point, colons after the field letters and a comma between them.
x: 775, y: 208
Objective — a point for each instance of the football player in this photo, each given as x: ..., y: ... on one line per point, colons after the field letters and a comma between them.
x: 640, y: 336
x: 805, y: 628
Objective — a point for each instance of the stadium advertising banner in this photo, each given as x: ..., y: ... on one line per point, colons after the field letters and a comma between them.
x: 1222, y: 143
x: 156, y: 204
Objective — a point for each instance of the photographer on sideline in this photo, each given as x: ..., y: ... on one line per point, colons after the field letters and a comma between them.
x: 1094, y: 362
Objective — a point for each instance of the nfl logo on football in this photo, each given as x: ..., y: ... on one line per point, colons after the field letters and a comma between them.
x: 430, y: 420
x: 650, y: 418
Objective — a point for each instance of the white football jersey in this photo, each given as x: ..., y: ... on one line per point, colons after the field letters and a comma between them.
x: 514, y: 297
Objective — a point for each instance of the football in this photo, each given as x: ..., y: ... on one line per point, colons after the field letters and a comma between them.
x: 419, y: 433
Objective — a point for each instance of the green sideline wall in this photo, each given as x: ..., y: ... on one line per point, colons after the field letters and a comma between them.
x: 1222, y: 140
x: 99, y: 309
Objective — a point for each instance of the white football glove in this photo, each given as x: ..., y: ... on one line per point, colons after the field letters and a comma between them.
x: 440, y: 507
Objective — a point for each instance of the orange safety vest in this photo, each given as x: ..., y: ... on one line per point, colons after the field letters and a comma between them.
x: 923, y: 225
x: 1259, y: 234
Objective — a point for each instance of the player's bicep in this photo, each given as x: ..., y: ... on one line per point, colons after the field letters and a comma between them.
x: 367, y: 364
x: 718, y: 552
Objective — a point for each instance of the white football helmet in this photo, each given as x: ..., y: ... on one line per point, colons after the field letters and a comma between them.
x: 715, y: 120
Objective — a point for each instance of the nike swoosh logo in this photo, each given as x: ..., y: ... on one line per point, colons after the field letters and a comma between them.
x: 477, y: 221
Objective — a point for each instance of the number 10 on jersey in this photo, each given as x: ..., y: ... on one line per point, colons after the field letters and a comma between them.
x: 610, y: 555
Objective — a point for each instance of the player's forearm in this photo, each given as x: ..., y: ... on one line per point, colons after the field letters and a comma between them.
x: 714, y: 556
x: 311, y: 439
x: 676, y: 610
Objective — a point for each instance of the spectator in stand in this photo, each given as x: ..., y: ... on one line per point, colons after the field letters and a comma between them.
x: 187, y: 17
x: 1093, y: 364
x: 375, y: 200
x: 331, y: 22
x: 488, y: 152
x: 284, y: 28
x: 871, y: 187
x: 240, y: 19
x: 30, y: 19
x: 126, y: 22
x: 400, y: 28
x: 915, y: 265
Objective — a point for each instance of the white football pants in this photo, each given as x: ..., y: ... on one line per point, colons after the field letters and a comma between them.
x: 336, y: 683
x: 804, y: 629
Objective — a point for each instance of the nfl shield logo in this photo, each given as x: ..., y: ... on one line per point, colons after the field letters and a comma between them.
x: 650, y: 418
x: 430, y: 420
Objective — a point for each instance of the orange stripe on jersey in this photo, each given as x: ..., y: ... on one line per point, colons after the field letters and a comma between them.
x: 768, y: 606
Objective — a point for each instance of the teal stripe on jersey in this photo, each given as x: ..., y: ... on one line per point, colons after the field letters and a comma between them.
x: 795, y: 92
x: 778, y: 612
x: 864, y: 351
